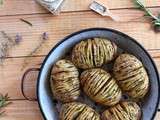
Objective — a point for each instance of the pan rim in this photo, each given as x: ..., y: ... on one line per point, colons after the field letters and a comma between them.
x: 94, y: 29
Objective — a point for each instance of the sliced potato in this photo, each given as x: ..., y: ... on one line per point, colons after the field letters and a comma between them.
x: 78, y: 111
x: 93, y: 53
x: 131, y: 76
x: 65, y: 81
x: 123, y: 111
x: 100, y: 86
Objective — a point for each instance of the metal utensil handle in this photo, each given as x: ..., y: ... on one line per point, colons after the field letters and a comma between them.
x: 112, y: 16
x: 22, y: 83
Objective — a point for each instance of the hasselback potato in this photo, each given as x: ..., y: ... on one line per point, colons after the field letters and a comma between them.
x: 100, y: 86
x: 64, y: 81
x: 123, y: 111
x: 131, y: 76
x: 93, y: 53
x: 78, y: 111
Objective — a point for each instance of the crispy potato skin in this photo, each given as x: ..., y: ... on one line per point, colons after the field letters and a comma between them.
x: 78, y: 111
x: 100, y: 86
x: 65, y: 81
x: 93, y: 53
x: 123, y: 111
x: 131, y: 76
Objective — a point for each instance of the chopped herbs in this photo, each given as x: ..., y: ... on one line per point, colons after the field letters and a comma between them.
x: 148, y: 13
x: 27, y: 22
x: 6, y: 43
x: 4, y: 101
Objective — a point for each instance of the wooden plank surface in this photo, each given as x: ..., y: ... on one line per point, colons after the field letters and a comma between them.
x: 67, y: 23
x: 22, y: 110
x: 11, y: 74
x: 15, y: 7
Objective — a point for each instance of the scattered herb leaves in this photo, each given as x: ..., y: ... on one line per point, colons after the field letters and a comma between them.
x: 18, y: 38
x: 26, y: 21
x: 148, y: 13
x: 6, y: 43
x: 5, y: 35
x: 4, y: 101
x: 1, y: 2
x: 45, y: 36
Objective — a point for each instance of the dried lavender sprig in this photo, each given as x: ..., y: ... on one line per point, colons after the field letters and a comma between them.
x: 7, y: 37
x: 18, y: 38
x: 43, y: 38
x: 6, y: 43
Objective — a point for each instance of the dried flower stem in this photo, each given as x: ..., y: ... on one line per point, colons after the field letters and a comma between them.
x: 6, y: 43
x: 44, y: 37
x: 25, y: 21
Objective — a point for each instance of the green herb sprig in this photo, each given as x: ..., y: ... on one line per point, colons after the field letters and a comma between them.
x: 148, y: 13
x: 4, y: 101
x: 1, y: 2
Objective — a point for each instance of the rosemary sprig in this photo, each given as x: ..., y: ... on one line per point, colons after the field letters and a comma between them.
x: 4, y: 101
x: 148, y: 13
x: 1, y: 2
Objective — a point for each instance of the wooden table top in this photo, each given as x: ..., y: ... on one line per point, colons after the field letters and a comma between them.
x: 75, y: 16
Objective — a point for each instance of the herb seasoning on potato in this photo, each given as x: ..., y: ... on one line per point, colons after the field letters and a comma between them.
x: 64, y: 81
x: 100, y: 86
x: 131, y: 76
x: 123, y: 111
x: 78, y: 111
x: 93, y: 53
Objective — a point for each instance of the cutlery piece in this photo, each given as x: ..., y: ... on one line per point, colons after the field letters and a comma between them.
x: 102, y: 10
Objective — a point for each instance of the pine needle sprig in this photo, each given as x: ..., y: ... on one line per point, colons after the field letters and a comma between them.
x: 4, y: 101
x: 1, y: 2
x: 148, y: 13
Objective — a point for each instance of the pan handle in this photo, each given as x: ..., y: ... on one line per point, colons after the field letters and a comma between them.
x: 23, y: 80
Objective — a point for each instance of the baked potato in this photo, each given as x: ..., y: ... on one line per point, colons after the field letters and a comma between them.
x: 65, y: 81
x: 100, y: 86
x: 93, y: 53
x: 123, y: 111
x: 78, y: 111
x: 131, y: 76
